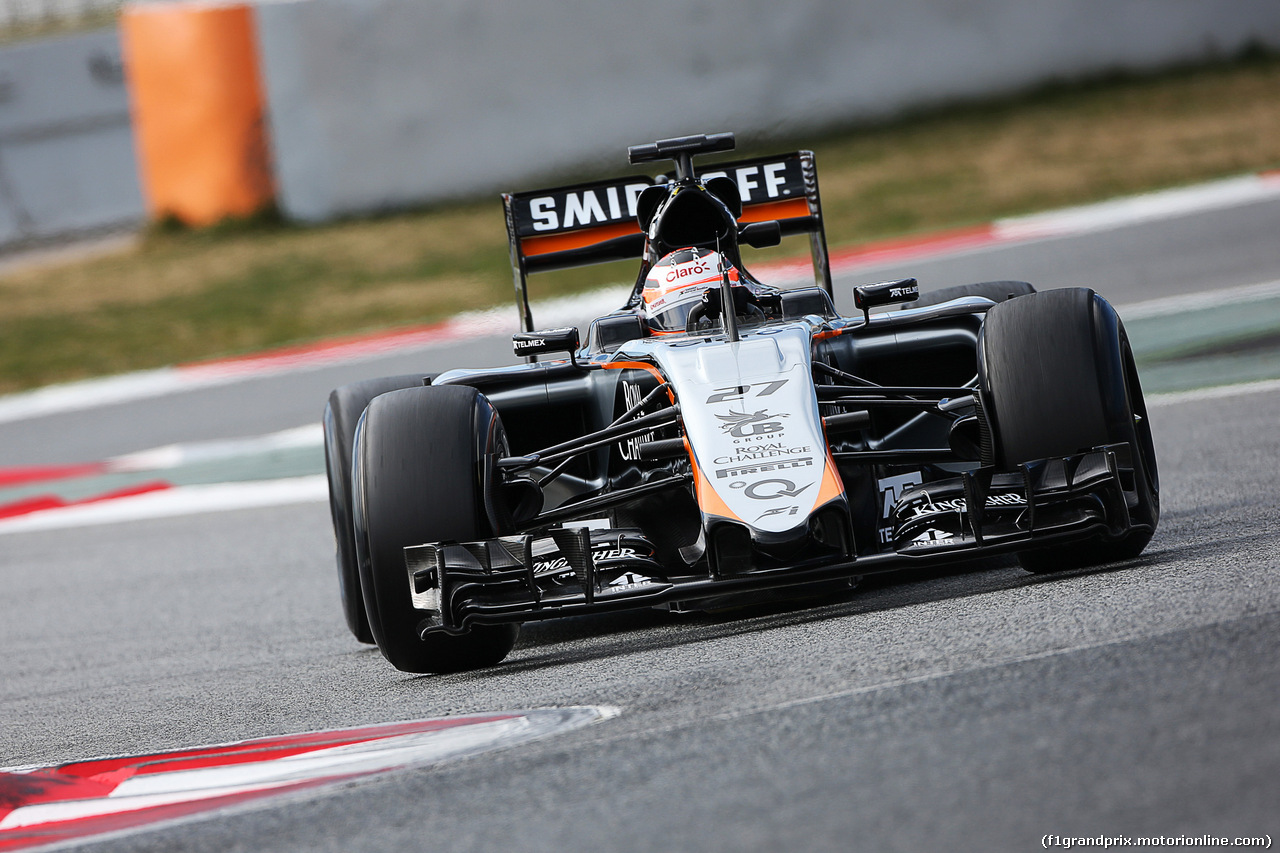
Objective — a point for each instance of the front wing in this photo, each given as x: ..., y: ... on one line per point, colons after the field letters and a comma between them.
x: 578, y: 570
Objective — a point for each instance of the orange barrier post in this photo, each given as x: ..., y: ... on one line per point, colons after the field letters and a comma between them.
x: 198, y: 110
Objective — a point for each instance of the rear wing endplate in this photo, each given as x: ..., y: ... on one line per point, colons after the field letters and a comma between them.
x: 592, y: 223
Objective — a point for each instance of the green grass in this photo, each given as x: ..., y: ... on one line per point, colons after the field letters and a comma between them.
x: 57, y: 25
x: 185, y: 295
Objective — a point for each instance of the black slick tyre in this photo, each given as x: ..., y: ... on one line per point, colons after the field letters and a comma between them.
x: 341, y: 414
x: 420, y: 476
x: 1057, y: 377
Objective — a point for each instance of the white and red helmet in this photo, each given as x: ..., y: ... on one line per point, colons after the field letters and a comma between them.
x: 676, y: 284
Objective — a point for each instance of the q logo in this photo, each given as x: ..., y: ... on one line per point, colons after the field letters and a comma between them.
x: 768, y: 490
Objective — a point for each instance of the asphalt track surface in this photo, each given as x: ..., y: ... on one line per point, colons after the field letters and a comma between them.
x: 978, y: 709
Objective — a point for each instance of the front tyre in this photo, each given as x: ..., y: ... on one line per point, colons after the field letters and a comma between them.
x: 420, y: 476
x: 1057, y: 377
x: 341, y: 414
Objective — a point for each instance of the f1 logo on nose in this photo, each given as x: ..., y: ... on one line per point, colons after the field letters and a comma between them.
x: 779, y: 510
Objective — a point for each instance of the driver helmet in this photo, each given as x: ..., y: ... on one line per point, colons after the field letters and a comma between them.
x: 676, y: 284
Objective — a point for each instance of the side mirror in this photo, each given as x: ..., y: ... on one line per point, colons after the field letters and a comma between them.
x: 761, y: 235
x: 868, y: 296
x: 547, y: 340
x: 612, y: 331
x: 806, y: 300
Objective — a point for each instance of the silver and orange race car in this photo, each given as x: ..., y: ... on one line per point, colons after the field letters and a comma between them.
x: 719, y: 440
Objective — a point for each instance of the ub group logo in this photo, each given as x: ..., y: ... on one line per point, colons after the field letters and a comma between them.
x: 748, y: 424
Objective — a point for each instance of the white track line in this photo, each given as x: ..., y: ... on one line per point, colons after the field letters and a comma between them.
x: 92, y: 393
x: 1188, y: 302
x: 1217, y: 392
x: 180, y: 500
x: 1148, y: 207
x: 89, y: 394
x: 176, y: 455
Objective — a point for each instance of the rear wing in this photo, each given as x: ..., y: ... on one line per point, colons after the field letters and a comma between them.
x: 592, y: 223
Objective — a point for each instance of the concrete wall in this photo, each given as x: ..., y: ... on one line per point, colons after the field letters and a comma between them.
x: 66, y: 147
x: 383, y: 103
x: 377, y: 104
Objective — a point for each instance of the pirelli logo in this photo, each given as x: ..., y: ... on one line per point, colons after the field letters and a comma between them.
x: 763, y: 467
x: 614, y: 202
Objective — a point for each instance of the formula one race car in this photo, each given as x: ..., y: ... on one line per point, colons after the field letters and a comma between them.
x: 718, y: 439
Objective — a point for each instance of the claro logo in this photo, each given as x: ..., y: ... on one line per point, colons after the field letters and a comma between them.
x: 686, y: 270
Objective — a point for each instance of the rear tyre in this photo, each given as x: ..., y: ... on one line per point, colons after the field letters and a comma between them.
x: 420, y: 476
x: 341, y: 414
x: 996, y: 291
x: 1058, y: 376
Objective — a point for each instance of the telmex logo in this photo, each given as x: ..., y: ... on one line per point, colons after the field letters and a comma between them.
x: 616, y: 202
